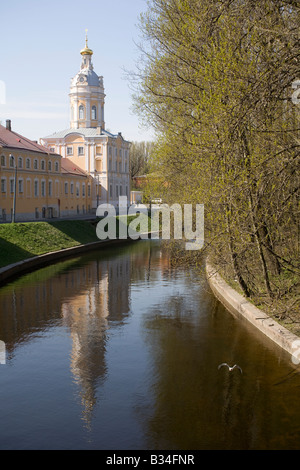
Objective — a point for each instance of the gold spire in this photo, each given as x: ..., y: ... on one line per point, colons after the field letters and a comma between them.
x: 86, y: 50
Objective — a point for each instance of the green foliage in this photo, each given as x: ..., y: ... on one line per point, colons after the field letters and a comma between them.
x: 215, y: 82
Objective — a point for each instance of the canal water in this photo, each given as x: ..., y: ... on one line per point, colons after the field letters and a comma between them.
x: 119, y: 350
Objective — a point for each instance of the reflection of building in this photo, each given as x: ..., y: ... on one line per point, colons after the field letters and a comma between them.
x: 89, y: 299
x: 87, y: 143
x: 37, y: 183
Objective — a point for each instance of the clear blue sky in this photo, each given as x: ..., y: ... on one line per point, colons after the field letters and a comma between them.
x: 40, y: 53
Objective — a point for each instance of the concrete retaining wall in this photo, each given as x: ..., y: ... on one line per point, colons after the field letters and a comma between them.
x: 239, y: 305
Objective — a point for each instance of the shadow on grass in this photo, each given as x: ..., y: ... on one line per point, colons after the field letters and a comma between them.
x: 79, y: 230
x: 10, y: 253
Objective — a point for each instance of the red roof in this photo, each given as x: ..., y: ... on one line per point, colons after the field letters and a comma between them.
x: 12, y: 139
x: 67, y: 166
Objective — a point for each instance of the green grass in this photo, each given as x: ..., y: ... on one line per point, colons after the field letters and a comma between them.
x: 25, y: 240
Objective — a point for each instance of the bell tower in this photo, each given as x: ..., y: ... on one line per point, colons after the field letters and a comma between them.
x: 87, y: 95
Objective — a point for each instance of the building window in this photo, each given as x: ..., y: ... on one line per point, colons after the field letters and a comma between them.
x: 81, y: 112
x: 83, y: 189
x: 69, y: 150
x: 3, y: 185
x: 28, y: 163
x: 72, y: 188
x: 36, y: 188
x: 11, y: 162
x: 89, y: 190
x: 43, y: 188
x: 117, y: 191
x: 21, y: 187
x: 80, y: 150
x: 28, y: 187
x: 50, y: 188
x: 3, y: 162
x: 77, y: 190
x: 43, y: 165
x: 50, y: 165
x: 66, y: 188
x: 20, y: 162
x: 110, y: 191
x: 35, y: 164
x: 94, y: 112
x: 52, y: 149
x: 56, y: 166
x: 120, y: 167
x: 12, y: 185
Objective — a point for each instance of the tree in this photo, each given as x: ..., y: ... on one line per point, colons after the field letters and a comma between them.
x: 140, y: 155
x: 216, y: 84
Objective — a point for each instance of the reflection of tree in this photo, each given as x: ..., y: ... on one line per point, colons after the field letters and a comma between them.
x: 195, y: 405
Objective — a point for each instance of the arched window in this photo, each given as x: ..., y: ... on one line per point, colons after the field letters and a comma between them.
x: 94, y: 112
x: 81, y: 112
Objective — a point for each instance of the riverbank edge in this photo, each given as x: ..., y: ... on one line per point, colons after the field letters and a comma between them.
x: 239, y: 306
x: 14, y: 270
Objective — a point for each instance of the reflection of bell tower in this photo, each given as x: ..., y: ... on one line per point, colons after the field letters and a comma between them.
x: 87, y: 94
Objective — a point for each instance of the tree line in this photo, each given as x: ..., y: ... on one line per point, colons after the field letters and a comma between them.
x: 216, y: 80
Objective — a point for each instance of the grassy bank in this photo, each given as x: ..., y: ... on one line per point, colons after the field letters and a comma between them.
x: 26, y: 240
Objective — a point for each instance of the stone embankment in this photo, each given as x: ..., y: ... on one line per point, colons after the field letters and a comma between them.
x: 241, y: 307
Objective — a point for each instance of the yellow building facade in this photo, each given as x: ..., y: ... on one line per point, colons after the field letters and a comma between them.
x: 37, y: 184
x: 86, y: 142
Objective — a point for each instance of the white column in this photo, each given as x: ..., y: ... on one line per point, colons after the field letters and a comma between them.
x: 104, y: 157
x: 87, y: 154
x: 87, y: 112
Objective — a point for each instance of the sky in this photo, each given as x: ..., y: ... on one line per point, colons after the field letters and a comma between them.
x: 40, y: 53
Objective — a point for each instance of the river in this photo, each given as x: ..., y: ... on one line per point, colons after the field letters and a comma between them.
x: 117, y: 349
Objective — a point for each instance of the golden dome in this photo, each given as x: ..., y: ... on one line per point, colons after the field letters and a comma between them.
x: 86, y: 50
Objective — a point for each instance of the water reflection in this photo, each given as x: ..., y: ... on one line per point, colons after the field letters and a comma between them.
x: 122, y: 350
x: 81, y: 296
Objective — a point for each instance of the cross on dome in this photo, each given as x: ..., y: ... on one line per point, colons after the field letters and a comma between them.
x: 86, y: 50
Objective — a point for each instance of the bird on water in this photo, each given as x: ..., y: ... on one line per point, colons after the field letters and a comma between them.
x: 230, y: 367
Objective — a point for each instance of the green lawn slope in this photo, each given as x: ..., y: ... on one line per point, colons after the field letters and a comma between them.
x: 25, y: 240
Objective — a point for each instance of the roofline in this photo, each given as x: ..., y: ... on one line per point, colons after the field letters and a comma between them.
x: 4, y: 146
